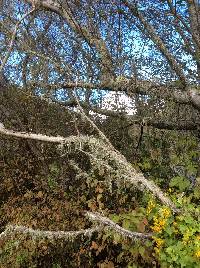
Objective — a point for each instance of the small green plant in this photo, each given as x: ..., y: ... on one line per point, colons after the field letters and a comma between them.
x: 54, y: 174
x: 56, y: 265
x: 175, y: 240
x: 52, y: 182
x: 22, y: 258
x: 176, y: 237
x: 180, y: 183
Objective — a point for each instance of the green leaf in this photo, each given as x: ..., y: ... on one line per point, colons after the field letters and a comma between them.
x: 115, y: 218
x: 141, y: 250
x: 179, y: 182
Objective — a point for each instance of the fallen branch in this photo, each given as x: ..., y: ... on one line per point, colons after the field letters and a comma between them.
x: 96, y: 217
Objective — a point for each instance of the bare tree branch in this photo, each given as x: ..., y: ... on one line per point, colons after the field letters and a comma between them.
x: 5, y: 59
x: 96, y: 217
x: 189, y: 96
x: 194, y: 11
x: 101, y: 134
x: 181, y: 19
x: 69, y: 235
x: 135, y: 120
x: 97, y: 41
x: 52, y: 235
x: 158, y: 41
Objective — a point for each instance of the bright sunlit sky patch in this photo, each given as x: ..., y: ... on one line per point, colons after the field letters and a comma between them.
x: 118, y: 101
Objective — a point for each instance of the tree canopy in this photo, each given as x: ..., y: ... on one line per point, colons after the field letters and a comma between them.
x: 150, y: 50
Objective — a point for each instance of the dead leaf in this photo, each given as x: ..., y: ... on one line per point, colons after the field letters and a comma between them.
x: 94, y: 245
x: 109, y: 264
x: 39, y: 194
x: 141, y: 227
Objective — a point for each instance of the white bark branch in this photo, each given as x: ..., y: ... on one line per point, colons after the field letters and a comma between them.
x: 11, y: 230
x: 25, y: 135
x: 96, y: 217
x: 52, y: 235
